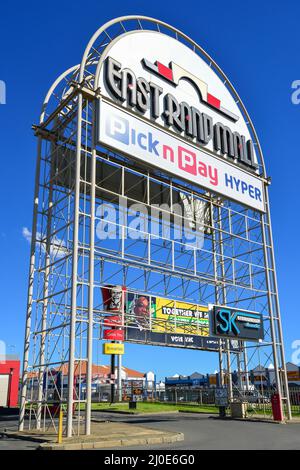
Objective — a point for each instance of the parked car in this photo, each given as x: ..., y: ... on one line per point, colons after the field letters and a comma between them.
x: 254, y: 396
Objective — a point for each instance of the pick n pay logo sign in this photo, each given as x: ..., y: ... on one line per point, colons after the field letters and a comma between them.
x: 125, y: 132
x: 119, y: 129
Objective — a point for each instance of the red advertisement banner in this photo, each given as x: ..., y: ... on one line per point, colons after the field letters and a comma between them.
x: 113, y: 320
x: 114, y: 335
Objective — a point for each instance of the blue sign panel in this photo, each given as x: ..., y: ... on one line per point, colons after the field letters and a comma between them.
x: 236, y: 323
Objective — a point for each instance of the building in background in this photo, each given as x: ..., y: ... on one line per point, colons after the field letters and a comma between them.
x: 259, y: 377
x: 293, y: 374
x: 187, y: 381
x: 9, y: 380
x: 56, y: 382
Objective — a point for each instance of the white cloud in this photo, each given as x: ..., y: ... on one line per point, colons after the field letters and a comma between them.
x: 57, y: 248
x: 26, y: 234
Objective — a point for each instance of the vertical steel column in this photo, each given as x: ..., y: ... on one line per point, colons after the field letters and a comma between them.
x: 74, y: 271
x: 273, y: 332
x: 91, y: 287
x: 112, y: 377
x: 280, y: 333
x: 239, y: 367
x: 224, y: 295
x: 45, y: 302
x: 245, y: 355
x: 120, y: 377
x: 217, y: 297
x: 30, y: 289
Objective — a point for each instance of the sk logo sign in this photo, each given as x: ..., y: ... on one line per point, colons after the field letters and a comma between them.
x: 226, y: 322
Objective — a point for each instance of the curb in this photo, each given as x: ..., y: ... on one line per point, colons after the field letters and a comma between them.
x: 199, y: 412
x: 249, y: 420
x: 103, y: 444
x: 136, y: 413
x: 115, y: 412
x: 166, y: 438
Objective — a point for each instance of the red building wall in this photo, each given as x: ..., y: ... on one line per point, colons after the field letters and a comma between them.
x: 13, y: 369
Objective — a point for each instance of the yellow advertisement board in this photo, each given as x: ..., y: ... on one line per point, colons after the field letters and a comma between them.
x: 113, y: 348
x: 171, y: 316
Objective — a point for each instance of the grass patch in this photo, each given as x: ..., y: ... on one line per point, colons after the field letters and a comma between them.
x: 148, y: 407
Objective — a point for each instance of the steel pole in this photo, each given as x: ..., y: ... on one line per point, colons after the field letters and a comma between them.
x: 224, y: 294
x: 91, y: 291
x: 246, y: 367
x: 30, y: 289
x: 112, y: 377
x: 280, y: 333
x: 217, y: 297
x: 45, y: 304
x: 120, y: 377
x: 74, y: 272
x: 272, y: 327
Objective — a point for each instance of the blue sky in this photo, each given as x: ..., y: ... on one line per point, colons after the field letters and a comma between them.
x: 257, y: 45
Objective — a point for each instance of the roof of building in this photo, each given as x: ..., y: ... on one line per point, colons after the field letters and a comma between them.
x: 197, y: 375
x: 101, y: 370
x: 194, y: 375
x: 291, y: 366
x: 133, y: 372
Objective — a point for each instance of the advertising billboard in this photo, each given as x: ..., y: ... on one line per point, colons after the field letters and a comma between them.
x: 164, y: 105
x: 166, y: 316
x: 172, y: 316
x: 129, y: 134
x: 159, y: 321
x: 236, y: 323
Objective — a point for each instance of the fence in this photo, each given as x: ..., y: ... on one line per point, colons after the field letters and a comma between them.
x: 203, y: 396
x: 259, y: 400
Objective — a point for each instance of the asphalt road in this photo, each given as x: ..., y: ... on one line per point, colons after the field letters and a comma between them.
x: 201, y: 432
x: 11, y: 423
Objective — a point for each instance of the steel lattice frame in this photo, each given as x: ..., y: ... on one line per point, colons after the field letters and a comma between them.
x: 68, y: 264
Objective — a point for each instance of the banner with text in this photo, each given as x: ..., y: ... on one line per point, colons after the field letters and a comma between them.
x: 137, y: 138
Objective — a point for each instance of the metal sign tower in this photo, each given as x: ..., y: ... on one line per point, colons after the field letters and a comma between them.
x: 69, y: 264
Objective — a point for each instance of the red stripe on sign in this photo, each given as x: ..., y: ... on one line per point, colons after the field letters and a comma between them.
x: 165, y: 71
x: 114, y: 335
x: 213, y: 101
x: 113, y: 321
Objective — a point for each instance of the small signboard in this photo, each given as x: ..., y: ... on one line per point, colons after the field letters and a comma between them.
x: 113, y: 348
x: 221, y: 396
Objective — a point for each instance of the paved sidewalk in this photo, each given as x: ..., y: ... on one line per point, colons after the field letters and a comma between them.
x: 103, y: 435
